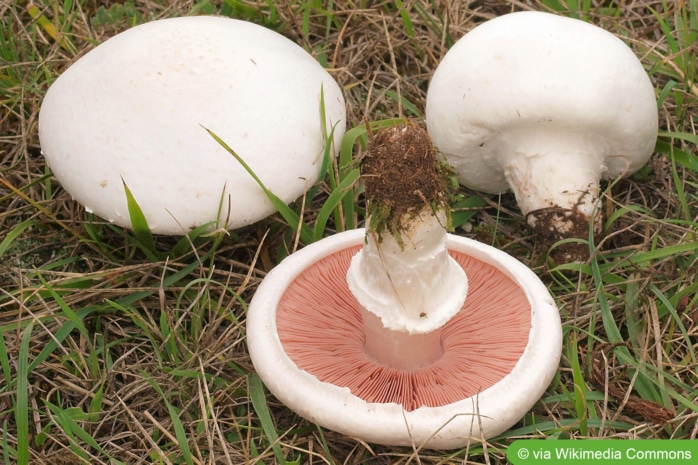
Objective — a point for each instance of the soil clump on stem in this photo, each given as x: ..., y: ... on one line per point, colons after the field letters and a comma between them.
x: 403, y: 176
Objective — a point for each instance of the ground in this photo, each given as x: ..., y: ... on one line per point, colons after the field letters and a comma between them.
x: 117, y: 347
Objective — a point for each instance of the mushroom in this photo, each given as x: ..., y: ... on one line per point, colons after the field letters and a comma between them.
x: 135, y: 110
x: 546, y: 106
x: 346, y: 334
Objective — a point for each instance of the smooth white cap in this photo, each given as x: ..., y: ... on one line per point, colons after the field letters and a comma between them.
x: 519, y: 80
x: 135, y: 108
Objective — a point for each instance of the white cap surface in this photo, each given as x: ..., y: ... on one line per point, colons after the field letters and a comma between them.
x: 135, y: 108
x: 520, y: 80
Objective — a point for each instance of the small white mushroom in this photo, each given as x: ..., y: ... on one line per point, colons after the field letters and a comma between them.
x: 546, y: 106
x: 136, y: 108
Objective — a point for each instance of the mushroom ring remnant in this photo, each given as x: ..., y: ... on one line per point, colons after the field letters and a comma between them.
x: 135, y: 110
x: 305, y: 337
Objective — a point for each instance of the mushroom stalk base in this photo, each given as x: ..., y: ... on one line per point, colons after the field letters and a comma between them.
x: 555, y: 178
x: 399, y: 349
x: 555, y: 171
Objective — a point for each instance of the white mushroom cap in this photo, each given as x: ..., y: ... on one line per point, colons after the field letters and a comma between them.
x: 544, y: 105
x: 135, y: 108
x: 484, y: 415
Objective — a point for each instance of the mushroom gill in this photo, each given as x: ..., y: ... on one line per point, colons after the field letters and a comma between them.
x: 320, y: 327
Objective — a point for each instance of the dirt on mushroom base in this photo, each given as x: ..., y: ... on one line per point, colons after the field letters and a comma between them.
x: 402, y: 176
x: 555, y: 224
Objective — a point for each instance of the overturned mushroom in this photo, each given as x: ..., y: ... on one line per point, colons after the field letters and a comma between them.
x: 351, y: 335
x: 546, y: 106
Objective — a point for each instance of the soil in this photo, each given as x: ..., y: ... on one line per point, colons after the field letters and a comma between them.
x: 544, y: 228
x: 402, y: 176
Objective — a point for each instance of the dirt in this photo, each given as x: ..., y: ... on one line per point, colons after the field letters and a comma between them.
x: 555, y: 224
x: 546, y: 218
x: 402, y: 176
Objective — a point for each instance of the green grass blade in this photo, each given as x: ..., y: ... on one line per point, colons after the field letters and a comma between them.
x: 681, y: 157
x: 65, y: 423
x: 140, y: 225
x: 634, y: 325
x: 286, y: 212
x: 5, y: 447
x: 408, y: 106
x: 82, y: 313
x: 22, y: 397
x: 436, y: 23
x: 358, y: 134
x: 666, y: 90
x: 555, y: 5
x: 96, y: 403
x: 341, y: 218
x: 407, y: 24
x: 259, y: 403
x: 333, y: 200
x: 66, y: 420
x: 325, y: 444
x: 685, y: 136
x: 580, y: 389
x: 658, y: 254
x: 5, y: 361
x: 463, y: 210
x: 672, y: 43
x: 564, y: 423
x: 346, y: 161
x: 677, y: 320
x: 168, y: 336
x: 328, y: 137
x: 180, y: 434
x: 58, y: 337
x: 642, y: 384
x: 65, y: 308
x: 14, y: 234
x: 187, y: 242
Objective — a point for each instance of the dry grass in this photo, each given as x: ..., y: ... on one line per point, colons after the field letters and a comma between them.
x: 108, y: 354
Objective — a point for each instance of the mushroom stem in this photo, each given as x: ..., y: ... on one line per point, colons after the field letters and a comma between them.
x: 407, y: 291
x: 407, y: 284
x: 559, y: 200
x: 399, y: 349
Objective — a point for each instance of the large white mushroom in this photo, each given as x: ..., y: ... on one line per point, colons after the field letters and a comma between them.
x: 403, y: 334
x: 135, y: 110
x: 546, y: 106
